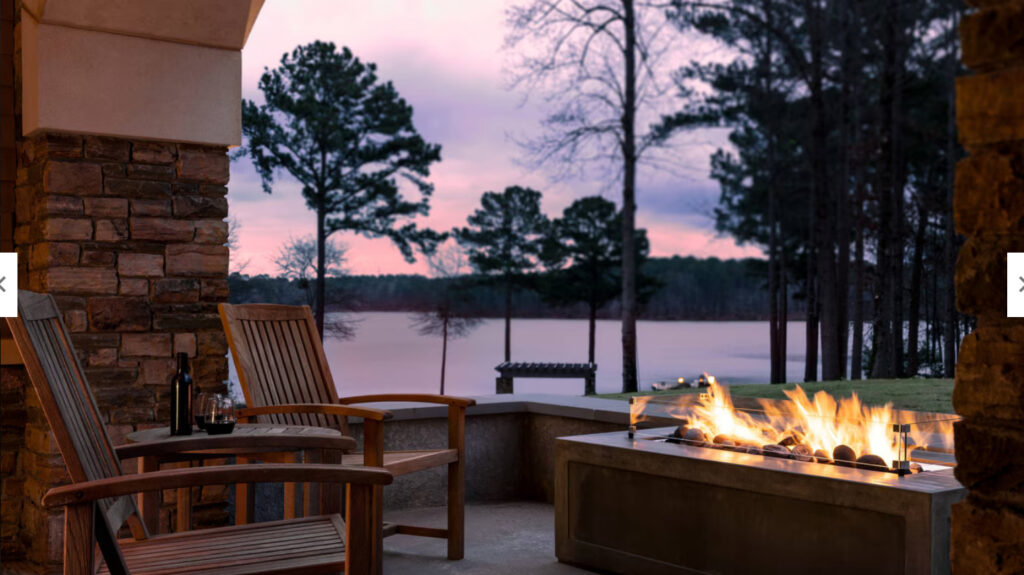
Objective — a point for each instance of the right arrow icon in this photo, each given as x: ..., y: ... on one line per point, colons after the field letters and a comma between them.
x: 1014, y: 290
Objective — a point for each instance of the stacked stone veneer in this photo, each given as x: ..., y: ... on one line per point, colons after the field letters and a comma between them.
x: 129, y: 236
x: 988, y: 527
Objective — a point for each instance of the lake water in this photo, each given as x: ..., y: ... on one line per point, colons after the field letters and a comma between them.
x: 389, y: 356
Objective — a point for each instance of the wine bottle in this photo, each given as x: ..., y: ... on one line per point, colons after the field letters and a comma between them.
x: 181, y: 398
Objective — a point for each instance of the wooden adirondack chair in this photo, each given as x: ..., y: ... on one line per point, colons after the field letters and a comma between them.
x: 285, y: 378
x: 97, y: 502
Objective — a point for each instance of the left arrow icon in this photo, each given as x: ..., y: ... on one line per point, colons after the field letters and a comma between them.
x: 8, y: 284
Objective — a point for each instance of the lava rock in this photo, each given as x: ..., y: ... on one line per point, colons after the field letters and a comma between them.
x: 821, y: 456
x: 872, y: 462
x: 803, y: 453
x: 844, y: 455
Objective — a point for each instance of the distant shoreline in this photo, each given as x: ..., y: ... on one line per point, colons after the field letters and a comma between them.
x: 600, y: 317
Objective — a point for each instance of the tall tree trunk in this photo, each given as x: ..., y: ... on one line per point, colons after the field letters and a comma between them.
x: 857, y: 351
x: 321, y: 265
x: 783, y: 310
x: 777, y: 360
x: 935, y: 325
x: 899, y: 185
x: 821, y: 263
x: 914, y: 311
x: 884, y: 361
x: 592, y: 333
x: 855, y: 163
x: 773, y: 294
x: 949, y: 247
x: 842, y: 202
x: 508, y: 318
x: 629, y: 305
x: 444, y: 350
x: 811, y: 339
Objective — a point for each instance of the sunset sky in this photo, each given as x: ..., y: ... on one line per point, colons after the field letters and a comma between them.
x: 446, y: 59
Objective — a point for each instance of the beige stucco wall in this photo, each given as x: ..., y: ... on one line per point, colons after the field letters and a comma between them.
x: 133, y: 75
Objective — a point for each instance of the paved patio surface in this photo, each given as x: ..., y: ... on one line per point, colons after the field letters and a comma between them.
x: 501, y: 538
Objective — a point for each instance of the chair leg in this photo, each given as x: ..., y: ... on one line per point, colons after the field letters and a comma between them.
x: 457, y: 484
x: 456, y: 510
x: 149, y: 502
x: 290, y: 490
x: 184, y: 505
x: 79, y: 539
x: 245, y: 499
x: 360, y: 530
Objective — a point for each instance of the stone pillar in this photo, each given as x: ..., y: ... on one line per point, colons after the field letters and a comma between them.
x: 129, y: 236
x: 988, y: 527
x: 117, y: 204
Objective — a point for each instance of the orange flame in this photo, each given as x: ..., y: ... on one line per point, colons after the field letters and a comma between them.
x: 819, y: 423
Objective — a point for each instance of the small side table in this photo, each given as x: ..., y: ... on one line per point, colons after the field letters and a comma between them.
x: 262, y: 441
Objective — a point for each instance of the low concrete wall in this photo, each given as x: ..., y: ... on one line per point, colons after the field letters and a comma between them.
x: 510, y: 447
x: 510, y: 444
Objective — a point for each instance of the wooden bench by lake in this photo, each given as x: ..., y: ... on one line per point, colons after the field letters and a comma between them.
x: 510, y: 370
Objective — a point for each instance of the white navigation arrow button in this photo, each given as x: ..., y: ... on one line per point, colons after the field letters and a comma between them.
x: 1015, y: 284
x: 8, y: 284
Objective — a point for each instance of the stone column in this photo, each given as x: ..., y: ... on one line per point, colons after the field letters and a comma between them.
x: 119, y: 199
x: 988, y: 527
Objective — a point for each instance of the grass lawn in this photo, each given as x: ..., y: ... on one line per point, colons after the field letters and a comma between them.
x: 914, y: 394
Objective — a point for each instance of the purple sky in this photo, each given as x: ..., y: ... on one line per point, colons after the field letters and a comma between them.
x: 446, y: 59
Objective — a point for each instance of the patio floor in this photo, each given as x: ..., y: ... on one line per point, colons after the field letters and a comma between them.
x: 513, y: 537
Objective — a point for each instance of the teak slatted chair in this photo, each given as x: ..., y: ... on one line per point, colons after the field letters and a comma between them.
x: 98, y: 501
x: 285, y: 378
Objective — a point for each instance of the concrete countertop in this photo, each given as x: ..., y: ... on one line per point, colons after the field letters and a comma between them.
x: 578, y: 407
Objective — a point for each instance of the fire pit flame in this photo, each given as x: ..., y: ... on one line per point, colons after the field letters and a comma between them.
x: 802, y: 428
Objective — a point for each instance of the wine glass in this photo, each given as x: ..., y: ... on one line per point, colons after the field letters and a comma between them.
x: 221, y: 414
x: 201, y: 410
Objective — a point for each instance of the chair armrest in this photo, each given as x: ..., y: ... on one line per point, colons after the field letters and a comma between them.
x: 324, y: 408
x: 216, y: 475
x: 414, y: 397
x: 226, y: 443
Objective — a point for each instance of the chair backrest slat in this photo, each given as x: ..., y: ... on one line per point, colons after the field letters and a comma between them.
x: 280, y: 360
x: 68, y: 402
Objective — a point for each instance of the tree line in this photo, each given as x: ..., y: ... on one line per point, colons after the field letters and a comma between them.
x: 694, y: 289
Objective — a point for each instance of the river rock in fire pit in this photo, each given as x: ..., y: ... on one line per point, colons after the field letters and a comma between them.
x: 677, y: 434
x: 872, y: 462
x: 844, y: 455
x: 773, y: 450
x: 803, y: 453
x: 694, y: 436
x: 724, y: 441
x: 821, y: 456
x: 751, y: 449
x: 790, y: 440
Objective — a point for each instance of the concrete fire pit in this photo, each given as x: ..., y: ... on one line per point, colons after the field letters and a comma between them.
x: 631, y: 505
